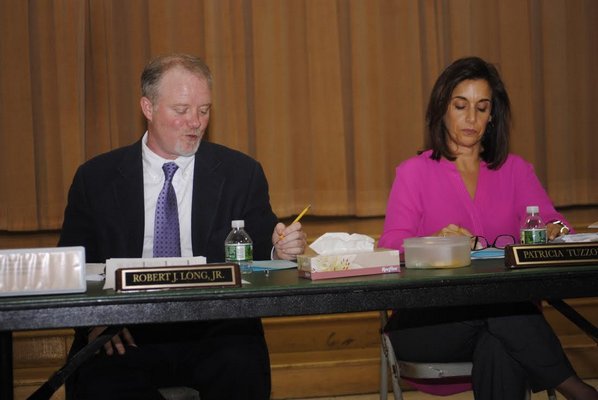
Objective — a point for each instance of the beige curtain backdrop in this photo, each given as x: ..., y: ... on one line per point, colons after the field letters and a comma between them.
x: 329, y: 95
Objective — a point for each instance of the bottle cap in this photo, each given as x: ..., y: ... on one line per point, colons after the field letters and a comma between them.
x: 237, y: 223
x: 532, y: 209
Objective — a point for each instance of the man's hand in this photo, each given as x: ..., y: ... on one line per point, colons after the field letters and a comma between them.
x: 118, y: 341
x: 289, y: 241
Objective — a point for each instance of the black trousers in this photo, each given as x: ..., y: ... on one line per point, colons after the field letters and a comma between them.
x: 222, y: 360
x: 512, y: 347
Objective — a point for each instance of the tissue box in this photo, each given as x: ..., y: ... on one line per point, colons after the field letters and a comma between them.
x: 316, y: 266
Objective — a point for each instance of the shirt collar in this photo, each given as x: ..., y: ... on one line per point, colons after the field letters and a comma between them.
x: 153, y: 162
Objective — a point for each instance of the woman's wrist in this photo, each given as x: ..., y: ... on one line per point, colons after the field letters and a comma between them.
x: 564, y: 229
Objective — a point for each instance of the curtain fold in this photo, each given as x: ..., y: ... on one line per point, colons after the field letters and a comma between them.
x: 41, y: 113
x: 329, y: 95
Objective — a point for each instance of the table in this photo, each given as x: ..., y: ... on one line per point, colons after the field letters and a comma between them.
x: 283, y: 293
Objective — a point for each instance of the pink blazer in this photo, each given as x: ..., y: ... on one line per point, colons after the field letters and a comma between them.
x: 427, y: 195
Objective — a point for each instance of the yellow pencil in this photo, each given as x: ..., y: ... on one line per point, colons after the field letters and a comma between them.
x: 301, y: 214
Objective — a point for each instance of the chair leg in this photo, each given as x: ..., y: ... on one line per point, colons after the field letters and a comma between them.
x: 388, y: 361
x: 396, y: 388
x: 383, y: 374
x: 384, y: 364
x: 393, y: 366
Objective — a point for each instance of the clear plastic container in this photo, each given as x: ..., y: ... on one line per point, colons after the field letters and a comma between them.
x: 437, y: 252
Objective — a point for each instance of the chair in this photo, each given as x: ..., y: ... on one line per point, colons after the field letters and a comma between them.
x: 179, y: 393
x: 455, y: 377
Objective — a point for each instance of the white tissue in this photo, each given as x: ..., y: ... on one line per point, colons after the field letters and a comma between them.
x: 342, y: 242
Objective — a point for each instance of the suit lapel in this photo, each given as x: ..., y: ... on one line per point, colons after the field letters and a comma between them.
x: 128, y: 192
x: 207, y: 194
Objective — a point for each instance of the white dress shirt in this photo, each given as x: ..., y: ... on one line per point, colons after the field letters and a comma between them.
x: 153, y: 180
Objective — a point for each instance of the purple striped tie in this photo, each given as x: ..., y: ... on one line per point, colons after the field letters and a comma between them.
x: 167, y: 242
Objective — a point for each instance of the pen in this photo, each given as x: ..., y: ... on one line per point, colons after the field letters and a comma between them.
x: 301, y: 214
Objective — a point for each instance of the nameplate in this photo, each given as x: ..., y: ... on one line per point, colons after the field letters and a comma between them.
x: 178, y: 277
x: 533, y: 255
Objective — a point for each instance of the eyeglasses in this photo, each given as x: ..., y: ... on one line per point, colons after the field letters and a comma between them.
x: 501, y: 241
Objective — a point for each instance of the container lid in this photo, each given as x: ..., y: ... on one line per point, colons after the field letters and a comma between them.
x: 237, y: 223
x: 436, y: 241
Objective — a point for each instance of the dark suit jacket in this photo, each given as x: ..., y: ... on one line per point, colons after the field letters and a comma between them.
x: 105, y: 211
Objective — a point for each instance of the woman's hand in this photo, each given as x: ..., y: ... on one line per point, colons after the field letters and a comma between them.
x: 453, y: 230
x: 554, y: 230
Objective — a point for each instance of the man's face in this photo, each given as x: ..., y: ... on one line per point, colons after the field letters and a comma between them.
x: 179, y: 116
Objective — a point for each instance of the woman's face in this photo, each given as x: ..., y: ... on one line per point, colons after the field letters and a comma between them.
x: 467, y: 114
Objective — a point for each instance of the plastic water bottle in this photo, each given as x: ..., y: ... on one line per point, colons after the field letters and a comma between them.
x: 533, y: 230
x: 238, y: 247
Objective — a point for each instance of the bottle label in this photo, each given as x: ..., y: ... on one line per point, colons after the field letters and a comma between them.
x: 238, y: 252
x: 533, y: 236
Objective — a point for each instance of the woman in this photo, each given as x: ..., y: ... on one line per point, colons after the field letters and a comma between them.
x: 467, y: 184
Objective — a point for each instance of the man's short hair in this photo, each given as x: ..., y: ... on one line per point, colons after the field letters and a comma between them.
x: 155, y: 69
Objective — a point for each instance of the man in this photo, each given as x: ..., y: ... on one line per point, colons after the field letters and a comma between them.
x: 112, y: 211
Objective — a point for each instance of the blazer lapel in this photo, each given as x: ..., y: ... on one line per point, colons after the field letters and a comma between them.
x: 207, y: 194
x: 128, y: 192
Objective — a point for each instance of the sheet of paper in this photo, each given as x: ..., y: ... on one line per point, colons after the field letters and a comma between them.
x: 577, y: 238
x: 594, y: 225
x: 113, y: 264
x: 95, y: 272
x: 271, y: 265
x: 487, y: 253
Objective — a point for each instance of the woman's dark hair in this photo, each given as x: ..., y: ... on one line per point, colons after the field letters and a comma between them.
x: 495, y: 142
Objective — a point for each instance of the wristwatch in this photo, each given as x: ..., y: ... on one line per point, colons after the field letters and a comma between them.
x: 564, y: 228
